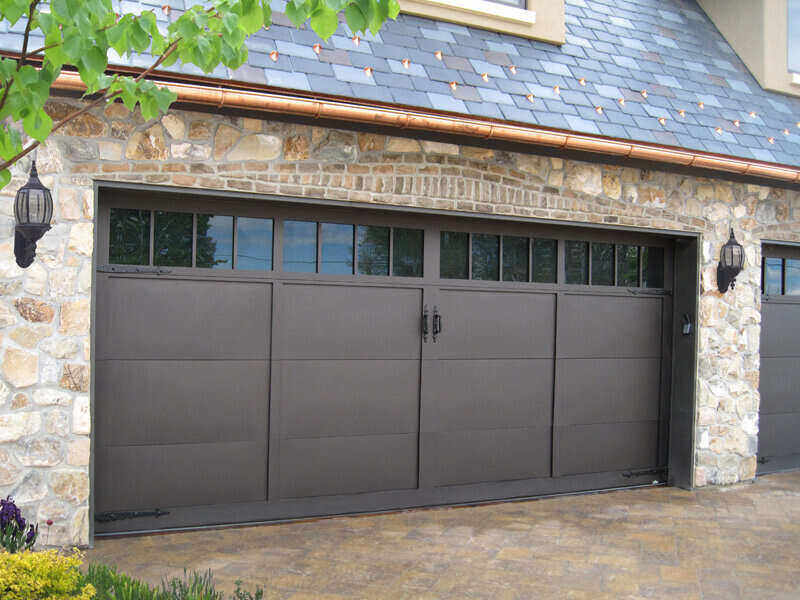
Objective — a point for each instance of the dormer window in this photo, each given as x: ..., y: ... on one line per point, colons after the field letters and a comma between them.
x: 535, y: 19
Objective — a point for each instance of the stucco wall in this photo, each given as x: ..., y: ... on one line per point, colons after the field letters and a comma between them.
x: 45, y: 311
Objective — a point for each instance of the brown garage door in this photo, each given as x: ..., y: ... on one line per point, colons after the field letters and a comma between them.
x: 779, y: 419
x: 266, y: 361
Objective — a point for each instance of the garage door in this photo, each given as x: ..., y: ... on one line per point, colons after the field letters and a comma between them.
x: 267, y: 361
x: 779, y: 420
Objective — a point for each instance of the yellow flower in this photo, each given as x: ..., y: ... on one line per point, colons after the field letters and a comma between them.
x: 45, y: 575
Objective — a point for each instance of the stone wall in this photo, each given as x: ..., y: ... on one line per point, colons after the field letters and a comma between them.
x: 45, y: 421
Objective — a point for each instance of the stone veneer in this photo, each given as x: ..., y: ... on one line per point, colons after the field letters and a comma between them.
x: 45, y: 421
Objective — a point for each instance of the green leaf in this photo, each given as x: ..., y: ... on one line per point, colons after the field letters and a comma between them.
x: 355, y: 18
x: 267, y: 10
x: 7, y: 68
x: 139, y: 38
x: 95, y: 59
x: 74, y: 45
x: 296, y: 12
x: 394, y: 9
x: 10, y: 142
x: 324, y: 22
x: 5, y: 177
x: 252, y: 16
x: 164, y: 98
x: 170, y: 60
x: 230, y: 22
x: 12, y: 10
x: 38, y: 125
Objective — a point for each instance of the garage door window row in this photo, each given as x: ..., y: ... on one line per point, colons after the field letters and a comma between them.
x: 487, y: 257
x: 177, y: 239
x: 184, y: 239
x: 596, y: 263
x: 780, y: 276
x: 344, y: 249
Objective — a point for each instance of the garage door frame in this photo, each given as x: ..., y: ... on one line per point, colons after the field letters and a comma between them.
x: 167, y: 198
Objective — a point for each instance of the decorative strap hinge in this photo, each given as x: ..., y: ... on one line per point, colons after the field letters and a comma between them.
x: 641, y: 292
x: 108, y: 517
x: 630, y: 474
x: 132, y: 269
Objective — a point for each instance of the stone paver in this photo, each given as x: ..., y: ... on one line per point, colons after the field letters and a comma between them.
x: 726, y: 543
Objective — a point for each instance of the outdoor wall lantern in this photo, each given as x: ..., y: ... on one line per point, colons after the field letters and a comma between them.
x: 33, y: 209
x: 731, y: 261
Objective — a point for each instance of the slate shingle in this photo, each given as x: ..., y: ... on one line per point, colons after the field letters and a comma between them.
x: 620, y: 47
x: 446, y: 102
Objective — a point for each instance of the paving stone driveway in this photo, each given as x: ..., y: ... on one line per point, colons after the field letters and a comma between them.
x: 727, y: 543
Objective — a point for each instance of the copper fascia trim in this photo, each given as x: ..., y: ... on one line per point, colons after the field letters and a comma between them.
x: 402, y: 118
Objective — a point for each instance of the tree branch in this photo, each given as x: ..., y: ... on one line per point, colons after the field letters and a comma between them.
x: 105, y: 95
x: 31, y: 8
x: 170, y: 49
x: 21, y: 60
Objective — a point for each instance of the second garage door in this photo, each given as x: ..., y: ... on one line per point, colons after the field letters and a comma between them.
x: 779, y: 418
x: 260, y: 362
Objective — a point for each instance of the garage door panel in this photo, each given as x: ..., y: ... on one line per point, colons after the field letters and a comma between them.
x: 163, y: 402
x: 779, y: 435
x: 780, y: 385
x: 348, y: 397
x: 780, y: 329
x: 332, y: 321
x: 595, y: 390
x: 148, y: 477
x: 477, y: 456
x: 609, y: 326
x: 478, y: 324
x: 486, y: 394
x: 606, y: 447
x: 172, y: 318
x: 347, y: 465
x: 779, y: 412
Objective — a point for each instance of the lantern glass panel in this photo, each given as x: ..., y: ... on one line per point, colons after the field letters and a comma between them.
x: 21, y: 207
x: 738, y: 256
x: 33, y: 203
x: 39, y: 209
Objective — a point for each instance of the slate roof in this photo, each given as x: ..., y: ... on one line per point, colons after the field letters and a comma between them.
x: 618, y: 47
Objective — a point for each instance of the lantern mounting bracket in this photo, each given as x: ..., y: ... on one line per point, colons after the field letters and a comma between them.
x: 25, y: 238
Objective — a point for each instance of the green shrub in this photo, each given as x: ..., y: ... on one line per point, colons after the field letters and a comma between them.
x: 240, y: 594
x: 112, y: 585
x: 193, y: 586
x: 42, y: 576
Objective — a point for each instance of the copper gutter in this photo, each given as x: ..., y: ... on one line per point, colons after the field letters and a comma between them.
x: 205, y: 94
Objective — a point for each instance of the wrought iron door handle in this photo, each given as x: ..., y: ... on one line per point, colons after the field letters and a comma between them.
x: 437, y: 323
x: 425, y: 323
